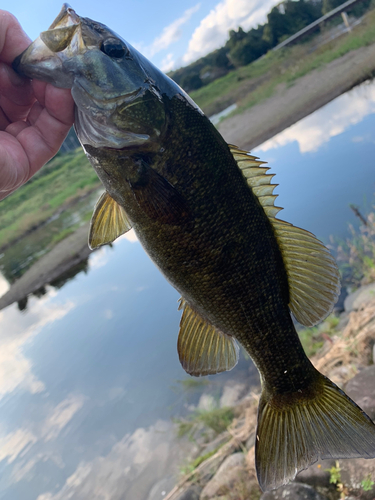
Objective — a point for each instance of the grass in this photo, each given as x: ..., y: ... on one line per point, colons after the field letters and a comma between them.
x: 191, y: 384
x: 256, y: 82
x: 216, y: 419
x: 312, y: 339
x: 367, y: 483
x: 356, y: 254
x: 62, y: 180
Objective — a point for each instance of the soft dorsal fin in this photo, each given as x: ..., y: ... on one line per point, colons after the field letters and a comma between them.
x: 202, y: 349
x: 313, y: 276
x: 108, y: 222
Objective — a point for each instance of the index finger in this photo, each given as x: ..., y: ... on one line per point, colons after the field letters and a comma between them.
x: 13, y: 40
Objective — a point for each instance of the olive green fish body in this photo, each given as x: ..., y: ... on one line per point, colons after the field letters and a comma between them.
x: 204, y: 212
x: 220, y: 253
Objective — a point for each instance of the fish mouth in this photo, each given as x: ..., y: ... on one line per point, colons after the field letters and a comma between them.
x: 66, y: 17
x: 43, y: 59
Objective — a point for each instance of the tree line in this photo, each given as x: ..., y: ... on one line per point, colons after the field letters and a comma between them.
x: 244, y: 47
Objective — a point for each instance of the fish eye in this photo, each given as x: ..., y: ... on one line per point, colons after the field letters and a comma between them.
x: 113, y: 47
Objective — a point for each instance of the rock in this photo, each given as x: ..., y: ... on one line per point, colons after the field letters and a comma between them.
x: 356, y: 473
x: 231, y: 394
x: 360, y: 297
x: 339, y: 306
x: 225, y: 477
x: 317, y: 474
x: 161, y: 488
x: 361, y: 389
x: 222, y: 438
x: 293, y: 491
x: 192, y: 493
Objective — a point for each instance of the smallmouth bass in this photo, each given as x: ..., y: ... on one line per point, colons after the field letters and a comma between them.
x: 204, y: 211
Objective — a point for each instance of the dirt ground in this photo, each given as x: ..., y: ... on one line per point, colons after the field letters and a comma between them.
x: 246, y: 130
x: 290, y: 104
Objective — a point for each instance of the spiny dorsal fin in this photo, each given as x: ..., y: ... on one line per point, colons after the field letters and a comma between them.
x: 202, y: 349
x: 257, y: 178
x: 313, y: 276
x: 108, y: 222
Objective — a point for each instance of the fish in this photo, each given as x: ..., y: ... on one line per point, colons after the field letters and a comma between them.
x: 205, y: 213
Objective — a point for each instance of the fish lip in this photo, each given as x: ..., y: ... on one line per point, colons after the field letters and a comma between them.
x: 66, y: 10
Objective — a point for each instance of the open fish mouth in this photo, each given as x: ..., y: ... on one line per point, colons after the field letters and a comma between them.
x: 44, y: 58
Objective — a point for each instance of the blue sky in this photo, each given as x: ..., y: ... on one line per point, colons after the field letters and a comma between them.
x: 171, y: 34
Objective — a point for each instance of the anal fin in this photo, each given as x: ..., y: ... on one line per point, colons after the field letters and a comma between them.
x: 203, y: 349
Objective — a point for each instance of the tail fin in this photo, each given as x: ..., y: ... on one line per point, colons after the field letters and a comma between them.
x: 293, y: 436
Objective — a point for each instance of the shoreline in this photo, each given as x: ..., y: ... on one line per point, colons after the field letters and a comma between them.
x: 288, y: 105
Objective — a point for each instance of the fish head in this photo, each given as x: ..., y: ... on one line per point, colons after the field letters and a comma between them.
x: 119, y: 94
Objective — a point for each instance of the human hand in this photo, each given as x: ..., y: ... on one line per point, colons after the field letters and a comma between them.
x: 35, y: 117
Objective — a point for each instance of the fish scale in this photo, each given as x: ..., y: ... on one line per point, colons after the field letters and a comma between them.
x: 205, y: 213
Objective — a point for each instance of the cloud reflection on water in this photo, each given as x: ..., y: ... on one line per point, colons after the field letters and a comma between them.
x: 130, y: 469
x: 332, y: 120
x: 17, y: 330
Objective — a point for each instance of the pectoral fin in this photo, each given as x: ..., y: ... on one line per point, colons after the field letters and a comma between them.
x: 202, y: 349
x: 157, y: 197
x: 108, y: 222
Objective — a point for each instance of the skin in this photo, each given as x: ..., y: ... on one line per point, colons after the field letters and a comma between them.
x: 35, y: 117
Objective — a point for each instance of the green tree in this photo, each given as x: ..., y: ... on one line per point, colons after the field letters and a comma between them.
x: 249, y: 47
x: 289, y: 17
x: 191, y: 81
x: 329, y: 5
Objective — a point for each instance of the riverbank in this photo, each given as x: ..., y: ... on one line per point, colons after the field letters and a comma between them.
x: 68, y: 253
x: 291, y: 103
x: 250, y: 85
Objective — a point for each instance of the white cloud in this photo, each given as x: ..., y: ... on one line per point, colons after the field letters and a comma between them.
x: 168, y: 63
x: 14, y: 443
x: 23, y: 470
x: 131, y: 468
x: 130, y: 236
x: 4, y: 285
x: 171, y: 33
x: 330, y: 121
x: 99, y: 258
x: 17, y: 443
x: 213, y: 30
x: 18, y: 330
x: 61, y: 415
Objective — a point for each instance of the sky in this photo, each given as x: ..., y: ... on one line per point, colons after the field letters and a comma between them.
x: 171, y: 34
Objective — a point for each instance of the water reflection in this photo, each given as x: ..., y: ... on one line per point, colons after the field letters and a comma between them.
x: 332, y: 120
x: 326, y: 162
x: 86, y: 369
